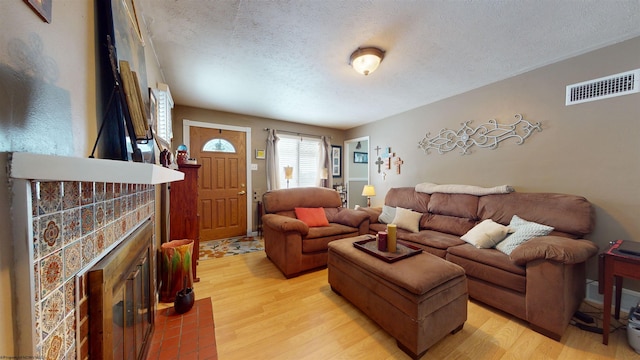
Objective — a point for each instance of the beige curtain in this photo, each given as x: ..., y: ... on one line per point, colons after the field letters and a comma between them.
x: 273, y: 180
x: 325, y: 162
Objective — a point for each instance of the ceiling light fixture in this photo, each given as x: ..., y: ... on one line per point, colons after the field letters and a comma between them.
x: 366, y: 60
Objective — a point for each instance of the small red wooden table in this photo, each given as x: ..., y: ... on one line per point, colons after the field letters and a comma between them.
x: 617, y: 265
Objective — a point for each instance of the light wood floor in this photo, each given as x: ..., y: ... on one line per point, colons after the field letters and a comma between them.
x: 259, y: 314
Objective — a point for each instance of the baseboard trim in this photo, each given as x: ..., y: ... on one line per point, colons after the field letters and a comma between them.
x: 630, y: 298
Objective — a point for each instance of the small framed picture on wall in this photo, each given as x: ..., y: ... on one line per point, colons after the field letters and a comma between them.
x: 360, y: 157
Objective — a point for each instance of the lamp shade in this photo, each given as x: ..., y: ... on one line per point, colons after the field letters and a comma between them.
x: 288, y: 172
x: 368, y: 190
x: 325, y: 174
x: 366, y: 60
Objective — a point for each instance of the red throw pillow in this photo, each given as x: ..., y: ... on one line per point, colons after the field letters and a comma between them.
x: 313, y: 217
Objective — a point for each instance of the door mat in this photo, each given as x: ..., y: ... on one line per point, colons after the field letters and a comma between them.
x: 229, y: 247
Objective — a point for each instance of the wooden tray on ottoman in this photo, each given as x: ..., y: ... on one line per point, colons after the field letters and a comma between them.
x: 403, y: 250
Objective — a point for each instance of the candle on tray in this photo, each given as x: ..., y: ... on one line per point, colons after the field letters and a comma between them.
x: 391, y: 237
x: 382, y: 241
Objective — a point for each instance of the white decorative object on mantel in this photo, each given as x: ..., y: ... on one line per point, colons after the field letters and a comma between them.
x: 487, y: 135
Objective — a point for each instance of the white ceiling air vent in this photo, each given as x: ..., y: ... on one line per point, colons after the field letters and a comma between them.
x: 605, y: 87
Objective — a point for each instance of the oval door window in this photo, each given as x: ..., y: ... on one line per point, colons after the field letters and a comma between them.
x: 219, y: 145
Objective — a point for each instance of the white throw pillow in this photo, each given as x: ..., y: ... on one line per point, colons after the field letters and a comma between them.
x: 388, y: 214
x: 407, y: 219
x: 523, y: 230
x: 486, y: 234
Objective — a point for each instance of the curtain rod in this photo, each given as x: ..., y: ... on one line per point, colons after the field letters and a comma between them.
x: 297, y: 133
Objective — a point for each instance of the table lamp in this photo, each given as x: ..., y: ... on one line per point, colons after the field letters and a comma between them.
x: 288, y: 174
x: 324, y: 176
x: 368, y: 191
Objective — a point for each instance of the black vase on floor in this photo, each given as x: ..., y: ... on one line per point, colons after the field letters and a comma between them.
x: 184, y: 300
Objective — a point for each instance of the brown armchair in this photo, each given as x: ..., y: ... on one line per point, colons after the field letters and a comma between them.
x: 291, y: 244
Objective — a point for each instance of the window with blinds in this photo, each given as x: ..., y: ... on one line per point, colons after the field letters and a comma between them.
x: 161, y: 105
x: 301, y: 153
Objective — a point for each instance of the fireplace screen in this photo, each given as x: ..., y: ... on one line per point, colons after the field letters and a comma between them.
x: 121, y: 299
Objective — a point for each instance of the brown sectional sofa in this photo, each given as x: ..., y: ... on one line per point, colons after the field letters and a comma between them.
x: 295, y: 247
x: 542, y: 281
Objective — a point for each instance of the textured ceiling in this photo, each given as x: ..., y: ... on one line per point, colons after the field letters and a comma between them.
x: 288, y: 60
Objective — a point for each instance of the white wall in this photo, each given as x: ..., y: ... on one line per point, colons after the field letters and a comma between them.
x: 47, y: 79
x: 357, y: 170
x: 357, y: 173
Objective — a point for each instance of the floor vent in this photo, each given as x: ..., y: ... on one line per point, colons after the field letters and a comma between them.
x: 605, y: 87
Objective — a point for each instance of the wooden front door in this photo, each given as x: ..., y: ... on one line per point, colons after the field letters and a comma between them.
x: 222, y: 189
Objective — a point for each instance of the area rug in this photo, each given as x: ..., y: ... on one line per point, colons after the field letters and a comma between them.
x: 228, y: 247
x: 185, y: 336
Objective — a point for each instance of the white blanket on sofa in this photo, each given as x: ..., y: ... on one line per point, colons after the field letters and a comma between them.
x: 431, y: 188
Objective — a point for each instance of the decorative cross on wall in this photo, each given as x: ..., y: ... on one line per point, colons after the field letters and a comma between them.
x: 377, y: 149
x: 387, y: 163
x: 398, y: 163
x: 379, y: 163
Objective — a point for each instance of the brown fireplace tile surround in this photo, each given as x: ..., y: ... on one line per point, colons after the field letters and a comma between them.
x: 75, y: 224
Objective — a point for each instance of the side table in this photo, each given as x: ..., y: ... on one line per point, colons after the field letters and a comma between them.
x: 617, y: 266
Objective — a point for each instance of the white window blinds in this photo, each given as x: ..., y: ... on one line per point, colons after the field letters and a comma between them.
x: 162, y: 109
x: 301, y: 153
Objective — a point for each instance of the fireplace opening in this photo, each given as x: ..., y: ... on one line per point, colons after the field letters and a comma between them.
x: 120, y: 300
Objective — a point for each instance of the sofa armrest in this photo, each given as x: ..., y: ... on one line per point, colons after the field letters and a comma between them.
x: 373, y: 212
x: 285, y: 223
x: 350, y: 217
x: 554, y: 248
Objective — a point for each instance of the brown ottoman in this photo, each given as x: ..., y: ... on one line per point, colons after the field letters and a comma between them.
x: 418, y: 300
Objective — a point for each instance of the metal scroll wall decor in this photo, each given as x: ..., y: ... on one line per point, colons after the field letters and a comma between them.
x: 487, y: 135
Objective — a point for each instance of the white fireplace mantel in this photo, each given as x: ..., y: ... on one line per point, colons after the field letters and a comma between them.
x: 63, y: 168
